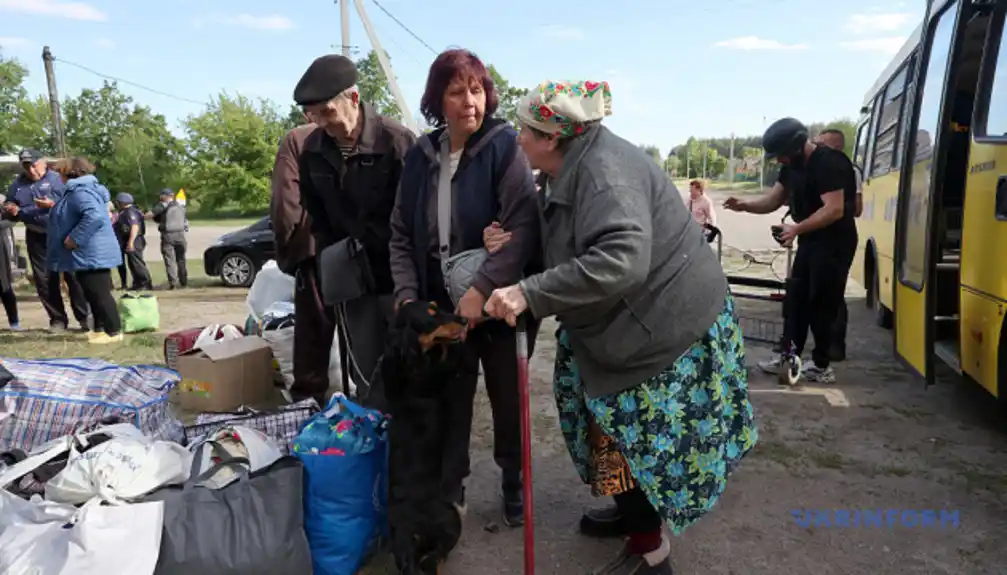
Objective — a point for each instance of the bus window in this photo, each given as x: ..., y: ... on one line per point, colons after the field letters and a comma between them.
x: 884, y: 145
x: 904, y: 122
x: 917, y: 214
x: 860, y: 152
x: 872, y: 131
x: 996, y: 113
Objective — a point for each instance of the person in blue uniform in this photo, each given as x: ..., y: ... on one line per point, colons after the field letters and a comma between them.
x: 131, y: 231
x: 29, y: 199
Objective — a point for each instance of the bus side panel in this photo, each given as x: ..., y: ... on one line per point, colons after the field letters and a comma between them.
x: 878, y: 222
x: 980, y: 337
x: 983, y: 278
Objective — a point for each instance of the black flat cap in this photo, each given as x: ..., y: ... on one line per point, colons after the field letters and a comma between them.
x: 325, y: 79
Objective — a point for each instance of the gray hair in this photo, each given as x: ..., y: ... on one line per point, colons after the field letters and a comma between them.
x: 348, y: 93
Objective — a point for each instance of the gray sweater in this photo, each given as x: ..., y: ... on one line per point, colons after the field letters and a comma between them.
x: 628, y: 273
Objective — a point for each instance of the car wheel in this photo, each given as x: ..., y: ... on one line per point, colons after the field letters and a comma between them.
x: 237, y: 270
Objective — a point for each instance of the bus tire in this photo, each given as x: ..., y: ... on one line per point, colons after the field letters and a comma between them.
x: 882, y: 315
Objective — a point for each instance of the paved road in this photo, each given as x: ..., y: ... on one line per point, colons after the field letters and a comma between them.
x: 200, y: 238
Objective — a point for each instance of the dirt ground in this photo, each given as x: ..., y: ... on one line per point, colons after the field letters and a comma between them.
x: 876, y: 440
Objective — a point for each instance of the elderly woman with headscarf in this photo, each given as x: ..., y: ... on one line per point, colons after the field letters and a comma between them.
x: 457, y: 180
x: 650, y: 376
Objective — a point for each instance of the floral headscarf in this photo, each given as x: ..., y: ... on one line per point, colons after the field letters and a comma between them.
x: 563, y: 108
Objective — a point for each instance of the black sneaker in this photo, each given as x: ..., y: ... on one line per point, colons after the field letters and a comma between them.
x: 57, y: 327
x: 513, y: 500
x: 657, y: 562
x: 603, y: 522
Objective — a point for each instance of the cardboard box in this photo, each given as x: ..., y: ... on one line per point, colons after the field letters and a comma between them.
x: 226, y: 375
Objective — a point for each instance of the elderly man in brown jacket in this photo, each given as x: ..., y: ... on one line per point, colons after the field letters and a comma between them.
x: 314, y: 327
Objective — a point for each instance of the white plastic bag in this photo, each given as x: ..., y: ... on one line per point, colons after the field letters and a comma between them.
x: 281, y: 341
x: 51, y: 450
x: 270, y: 286
x: 49, y: 538
x: 336, y: 370
x: 238, y: 441
x: 120, y: 469
x: 209, y: 335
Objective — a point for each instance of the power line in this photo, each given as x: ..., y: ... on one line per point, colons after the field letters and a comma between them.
x: 130, y: 83
x: 404, y: 27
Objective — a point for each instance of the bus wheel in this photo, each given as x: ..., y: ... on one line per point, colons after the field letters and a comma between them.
x: 882, y: 315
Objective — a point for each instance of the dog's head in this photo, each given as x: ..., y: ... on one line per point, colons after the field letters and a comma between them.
x: 429, y: 324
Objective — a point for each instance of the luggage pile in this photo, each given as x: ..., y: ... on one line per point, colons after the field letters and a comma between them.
x: 129, y: 489
x: 99, y: 476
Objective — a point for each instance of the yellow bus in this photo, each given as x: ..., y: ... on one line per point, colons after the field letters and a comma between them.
x: 932, y: 145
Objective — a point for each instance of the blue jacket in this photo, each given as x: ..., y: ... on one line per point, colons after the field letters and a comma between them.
x: 24, y: 192
x: 82, y: 214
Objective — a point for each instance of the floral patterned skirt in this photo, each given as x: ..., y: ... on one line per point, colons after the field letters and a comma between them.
x: 681, y: 432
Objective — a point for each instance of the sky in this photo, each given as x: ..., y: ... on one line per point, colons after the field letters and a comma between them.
x: 678, y: 68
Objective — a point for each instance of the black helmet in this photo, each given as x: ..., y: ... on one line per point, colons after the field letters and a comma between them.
x: 784, y: 137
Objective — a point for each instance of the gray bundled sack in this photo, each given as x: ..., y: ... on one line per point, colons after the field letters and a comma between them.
x: 252, y: 526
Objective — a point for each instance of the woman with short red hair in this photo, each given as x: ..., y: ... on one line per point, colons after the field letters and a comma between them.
x: 466, y: 175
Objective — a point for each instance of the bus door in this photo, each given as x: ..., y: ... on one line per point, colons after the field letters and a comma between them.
x: 920, y: 190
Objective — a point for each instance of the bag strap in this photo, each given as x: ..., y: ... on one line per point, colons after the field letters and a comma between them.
x: 226, y: 461
x: 444, y: 199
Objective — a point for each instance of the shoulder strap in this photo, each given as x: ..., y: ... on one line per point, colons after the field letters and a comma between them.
x: 444, y: 199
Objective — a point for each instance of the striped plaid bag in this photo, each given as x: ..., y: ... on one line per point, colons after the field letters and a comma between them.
x: 53, y: 398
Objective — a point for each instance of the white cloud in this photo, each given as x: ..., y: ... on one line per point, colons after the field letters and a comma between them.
x: 887, y: 45
x: 274, y: 22
x: 106, y: 43
x: 54, y: 8
x: 12, y: 41
x: 878, y: 23
x: 560, y: 32
x: 755, y: 43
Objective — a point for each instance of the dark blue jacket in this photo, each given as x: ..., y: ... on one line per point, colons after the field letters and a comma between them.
x: 24, y: 192
x: 493, y: 182
x: 82, y: 214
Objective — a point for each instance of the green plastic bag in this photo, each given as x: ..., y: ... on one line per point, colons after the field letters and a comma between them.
x: 139, y: 313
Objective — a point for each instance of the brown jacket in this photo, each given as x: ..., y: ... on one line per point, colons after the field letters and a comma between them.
x: 354, y: 196
x: 291, y: 225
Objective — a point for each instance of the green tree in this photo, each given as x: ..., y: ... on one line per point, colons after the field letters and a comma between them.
x: 231, y: 147
x: 510, y: 96
x: 146, y: 157
x: 373, y: 86
x: 295, y: 117
x: 32, y: 126
x: 672, y: 165
x: 12, y: 93
x: 94, y: 121
x: 653, y: 152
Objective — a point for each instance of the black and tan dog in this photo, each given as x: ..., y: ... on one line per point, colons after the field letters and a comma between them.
x: 421, y: 358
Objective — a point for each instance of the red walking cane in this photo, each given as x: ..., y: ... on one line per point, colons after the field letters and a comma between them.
x: 523, y: 380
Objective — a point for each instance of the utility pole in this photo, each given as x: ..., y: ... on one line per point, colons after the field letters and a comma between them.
x: 57, y: 120
x: 344, y: 21
x: 386, y: 67
x: 688, y: 156
x: 730, y: 162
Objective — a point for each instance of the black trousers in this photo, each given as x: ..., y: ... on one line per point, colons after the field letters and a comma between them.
x: 314, y: 328
x: 9, y: 300
x: 815, y: 294
x: 97, y: 288
x: 137, y: 266
x: 47, y: 284
x: 173, y: 247
x: 123, y: 278
x: 495, y: 346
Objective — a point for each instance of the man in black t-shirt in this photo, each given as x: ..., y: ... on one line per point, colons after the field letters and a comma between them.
x: 819, y: 183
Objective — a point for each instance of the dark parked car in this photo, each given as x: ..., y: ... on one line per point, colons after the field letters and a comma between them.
x: 238, y: 256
